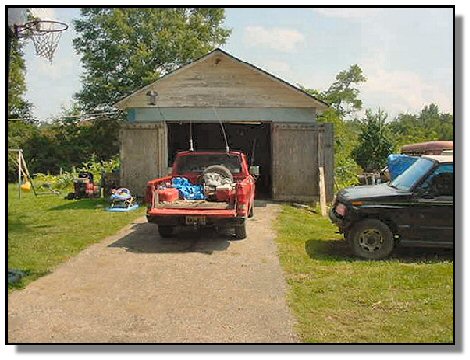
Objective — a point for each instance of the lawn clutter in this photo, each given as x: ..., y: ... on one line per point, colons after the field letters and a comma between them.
x: 26, y: 187
x: 110, y: 182
x: 305, y: 207
x: 122, y: 200
x: 84, y: 187
x: 14, y: 276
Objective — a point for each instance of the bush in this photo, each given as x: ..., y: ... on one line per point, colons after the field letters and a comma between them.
x: 65, y: 179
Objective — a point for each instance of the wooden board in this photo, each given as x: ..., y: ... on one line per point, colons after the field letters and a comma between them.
x: 297, y: 156
x: 294, y: 156
x: 143, y: 155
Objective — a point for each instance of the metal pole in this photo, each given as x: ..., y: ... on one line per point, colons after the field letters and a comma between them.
x: 19, y: 174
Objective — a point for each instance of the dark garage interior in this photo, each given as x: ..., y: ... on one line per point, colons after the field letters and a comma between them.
x: 253, y: 139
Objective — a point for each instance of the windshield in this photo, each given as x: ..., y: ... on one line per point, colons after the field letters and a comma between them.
x: 197, y: 163
x: 412, y: 175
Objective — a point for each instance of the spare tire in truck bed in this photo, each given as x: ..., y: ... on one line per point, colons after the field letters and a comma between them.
x: 219, y: 169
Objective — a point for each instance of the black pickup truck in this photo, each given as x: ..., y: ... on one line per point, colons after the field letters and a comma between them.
x: 416, y: 209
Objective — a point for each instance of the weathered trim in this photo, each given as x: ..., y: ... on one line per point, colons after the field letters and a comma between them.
x: 289, y: 115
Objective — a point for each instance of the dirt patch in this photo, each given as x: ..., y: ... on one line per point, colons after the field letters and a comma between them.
x: 137, y: 287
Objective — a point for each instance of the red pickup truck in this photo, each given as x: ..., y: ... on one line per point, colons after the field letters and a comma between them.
x: 204, y: 189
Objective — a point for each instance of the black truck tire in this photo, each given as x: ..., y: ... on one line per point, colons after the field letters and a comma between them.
x: 371, y: 239
x: 165, y: 231
x: 240, y: 231
x: 219, y: 169
x: 251, y: 213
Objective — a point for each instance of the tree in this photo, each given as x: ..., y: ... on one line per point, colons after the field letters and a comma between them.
x: 18, y: 107
x: 343, y: 97
x: 375, y: 142
x: 124, y: 49
x: 429, y: 124
x: 20, y: 119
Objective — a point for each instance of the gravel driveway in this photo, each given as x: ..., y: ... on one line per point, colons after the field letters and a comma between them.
x: 137, y: 287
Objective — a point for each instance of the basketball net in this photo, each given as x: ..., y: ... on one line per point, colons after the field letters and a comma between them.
x: 45, y: 35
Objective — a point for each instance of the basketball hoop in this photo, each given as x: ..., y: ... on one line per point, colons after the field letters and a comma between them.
x: 45, y: 35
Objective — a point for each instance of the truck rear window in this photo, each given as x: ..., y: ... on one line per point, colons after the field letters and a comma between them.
x: 197, y: 163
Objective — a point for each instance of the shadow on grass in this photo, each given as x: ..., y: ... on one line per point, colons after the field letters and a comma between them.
x: 328, y: 250
x: 145, y: 239
x: 82, y: 204
x: 21, y: 224
x: 407, y: 254
x: 339, y: 250
x: 16, y: 225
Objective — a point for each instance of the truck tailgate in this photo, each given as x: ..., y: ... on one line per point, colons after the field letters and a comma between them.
x: 227, y: 213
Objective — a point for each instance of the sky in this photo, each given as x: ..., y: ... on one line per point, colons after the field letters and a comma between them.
x: 406, y: 54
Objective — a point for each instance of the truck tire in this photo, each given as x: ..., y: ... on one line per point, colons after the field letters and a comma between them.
x: 219, y: 169
x: 165, y: 231
x: 371, y: 239
x: 252, y: 211
x: 240, y: 231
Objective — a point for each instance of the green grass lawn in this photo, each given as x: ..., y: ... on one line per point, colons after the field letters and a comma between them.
x: 407, y: 298
x: 45, y: 231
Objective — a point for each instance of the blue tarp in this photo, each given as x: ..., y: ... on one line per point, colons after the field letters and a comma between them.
x: 122, y: 209
x: 398, y: 163
x: 186, y: 190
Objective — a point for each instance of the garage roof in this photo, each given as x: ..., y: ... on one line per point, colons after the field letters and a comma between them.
x: 135, y: 99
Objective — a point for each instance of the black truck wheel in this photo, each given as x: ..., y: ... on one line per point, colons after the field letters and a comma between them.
x: 165, y: 231
x: 251, y: 213
x: 240, y: 231
x: 371, y: 239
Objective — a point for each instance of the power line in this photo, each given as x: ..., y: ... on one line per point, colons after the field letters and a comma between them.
x: 86, y: 115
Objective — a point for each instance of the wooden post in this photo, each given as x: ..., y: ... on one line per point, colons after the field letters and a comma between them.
x: 322, y: 191
x: 321, y: 172
x: 19, y: 174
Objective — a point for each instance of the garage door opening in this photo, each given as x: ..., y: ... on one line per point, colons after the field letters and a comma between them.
x: 253, y: 139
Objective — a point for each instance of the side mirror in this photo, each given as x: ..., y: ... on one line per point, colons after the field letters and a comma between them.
x: 254, y: 170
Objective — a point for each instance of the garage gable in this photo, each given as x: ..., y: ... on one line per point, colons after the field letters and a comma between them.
x: 220, y: 80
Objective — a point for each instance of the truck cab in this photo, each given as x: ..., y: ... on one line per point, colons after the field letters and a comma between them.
x: 205, y: 188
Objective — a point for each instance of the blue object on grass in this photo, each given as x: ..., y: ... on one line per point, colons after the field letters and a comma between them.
x: 186, y: 190
x: 122, y: 209
x: 121, y: 194
x: 398, y: 163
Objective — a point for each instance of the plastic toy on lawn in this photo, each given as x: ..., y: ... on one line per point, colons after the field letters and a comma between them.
x: 122, y: 200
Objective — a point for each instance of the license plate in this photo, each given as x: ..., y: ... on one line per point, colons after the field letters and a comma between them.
x: 195, y: 220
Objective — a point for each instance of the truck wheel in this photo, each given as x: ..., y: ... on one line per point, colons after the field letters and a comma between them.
x: 371, y: 239
x: 240, y: 231
x: 252, y: 212
x: 165, y: 231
